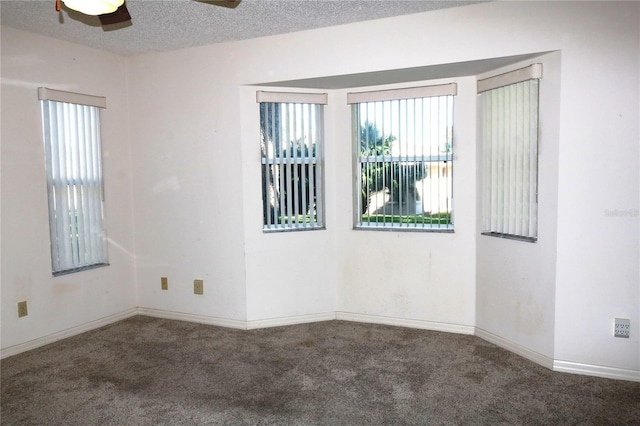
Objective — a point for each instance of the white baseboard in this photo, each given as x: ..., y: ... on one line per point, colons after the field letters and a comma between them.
x: 596, y: 370
x: 516, y: 348
x: 560, y: 366
x: 45, y: 340
x: 238, y: 324
x: 201, y: 319
x: 299, y: 319
x: 543, y: 360
x: 404, y: 322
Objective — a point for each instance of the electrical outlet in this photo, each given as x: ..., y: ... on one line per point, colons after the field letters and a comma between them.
x: 22, y: 309
x: 164, y: 283
x: 198, y: 287
x: 622, y: 327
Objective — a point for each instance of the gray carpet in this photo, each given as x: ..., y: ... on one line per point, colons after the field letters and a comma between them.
x: 147, y: 371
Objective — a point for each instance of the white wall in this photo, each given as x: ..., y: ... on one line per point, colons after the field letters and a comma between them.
x: 428, y: 277
x: 597, y: 275
x: 516, y: 279
x: 187, y: 183
x: 289, y: 274
x: 68, y: 301
x: 196, y: 185
x: 412, y: 275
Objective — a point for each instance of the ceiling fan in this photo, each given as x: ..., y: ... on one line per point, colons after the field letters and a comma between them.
x: 116, y: 12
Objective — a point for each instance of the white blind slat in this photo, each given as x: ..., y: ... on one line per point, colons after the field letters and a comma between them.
x: 63, y: 209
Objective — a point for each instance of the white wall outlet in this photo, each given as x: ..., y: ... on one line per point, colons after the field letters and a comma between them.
x: 22, y: 309
x: 198, y: 286
x: 622, y: 327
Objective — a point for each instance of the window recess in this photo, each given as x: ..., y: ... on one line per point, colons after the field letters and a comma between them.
x: 509, y: 120
x: 292, y: 148
x: 403, y: 158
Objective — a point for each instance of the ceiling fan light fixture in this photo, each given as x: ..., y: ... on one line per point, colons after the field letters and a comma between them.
x: 94, y: 7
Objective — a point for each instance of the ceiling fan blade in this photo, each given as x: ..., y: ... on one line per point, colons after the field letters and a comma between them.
x: 120, y: 15
x: 231, y: 4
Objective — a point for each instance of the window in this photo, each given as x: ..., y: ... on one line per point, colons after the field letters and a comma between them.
x: 291, y: 145
x: 509, y: 108
x: 403, y: 141
x: 71, y: 124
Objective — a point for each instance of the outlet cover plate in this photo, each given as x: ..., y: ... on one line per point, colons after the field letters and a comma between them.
x: 22, y: 309
x: 622, y: 327
x: 164, y: 283
x: 198, y: 286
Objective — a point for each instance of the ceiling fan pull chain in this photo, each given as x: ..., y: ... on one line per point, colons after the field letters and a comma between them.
x: 57, y: 5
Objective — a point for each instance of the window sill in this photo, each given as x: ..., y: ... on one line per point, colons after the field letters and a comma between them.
x: 276, y: 230
x: 441, y: 230
x: 511, y: 237
x: 83, y: 268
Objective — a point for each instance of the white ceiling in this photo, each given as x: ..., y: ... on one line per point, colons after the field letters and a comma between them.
x: 404, y: 75
x: 159, y: 25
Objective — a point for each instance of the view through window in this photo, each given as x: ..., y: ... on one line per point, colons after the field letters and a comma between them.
x: 404, y: 165
x: 292, y: 176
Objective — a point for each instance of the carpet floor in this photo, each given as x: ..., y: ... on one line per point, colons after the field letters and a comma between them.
x: 149, y: 371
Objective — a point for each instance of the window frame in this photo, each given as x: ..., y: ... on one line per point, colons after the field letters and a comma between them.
x: 437, y: 91
x: 497, y: 140
x: 75, y: 181
x: 288, y: 165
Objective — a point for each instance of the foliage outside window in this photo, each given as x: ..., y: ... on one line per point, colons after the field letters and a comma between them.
x: 404, y: 163
x: 291, y: 144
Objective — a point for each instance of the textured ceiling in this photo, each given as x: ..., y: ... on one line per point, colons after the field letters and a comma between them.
x: 159, y: 25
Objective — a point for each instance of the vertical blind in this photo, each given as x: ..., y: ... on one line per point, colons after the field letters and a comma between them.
x: 510, y: 145
x: 291, y: 127
x: 404, y: 158
x: 74, y: 181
